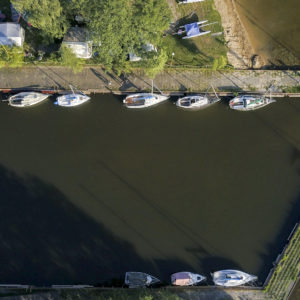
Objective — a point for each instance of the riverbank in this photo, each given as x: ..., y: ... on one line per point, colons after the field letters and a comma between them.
x: 95, y: 79
x: 241, y: 54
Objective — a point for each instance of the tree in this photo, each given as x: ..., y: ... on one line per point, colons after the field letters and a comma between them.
x: 156, y: 64
x: 45, y: 15
x: 124, y: 26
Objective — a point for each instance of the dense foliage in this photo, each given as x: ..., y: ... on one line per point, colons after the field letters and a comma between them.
x: 116, y: 27
x: 46, y: 15
x: 69, y: 59
x: 11, y: 56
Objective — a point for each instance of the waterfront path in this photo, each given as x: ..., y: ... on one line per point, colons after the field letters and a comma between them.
x: 95, y: 79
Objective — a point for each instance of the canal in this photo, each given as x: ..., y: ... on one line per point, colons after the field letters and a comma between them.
x: 91, y: 192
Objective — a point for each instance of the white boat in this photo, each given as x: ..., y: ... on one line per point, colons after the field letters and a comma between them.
x: 72, y: 99
x: 186, y: 278
x: 251, y: 102
x: 139, y: 279
x: 232, y: 278
x: 26, y: 99
x: 142, y: 100
x: 197, y: 101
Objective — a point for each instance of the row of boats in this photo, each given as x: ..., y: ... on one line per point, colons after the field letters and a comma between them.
x: 142, y: 100
x: 226, y: 278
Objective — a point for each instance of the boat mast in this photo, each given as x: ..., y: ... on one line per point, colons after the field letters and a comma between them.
x: 214, y: 91
x: 152, y: 87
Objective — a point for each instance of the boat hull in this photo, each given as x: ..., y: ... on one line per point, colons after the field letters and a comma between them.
x: 138, y: 101
x: 71, y: 100
x: 195, y: 102
x: 36, y: 98
x: 230, y: 278
x: 238, y: 103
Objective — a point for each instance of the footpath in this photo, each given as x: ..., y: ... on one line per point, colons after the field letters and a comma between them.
x: 95, y: 79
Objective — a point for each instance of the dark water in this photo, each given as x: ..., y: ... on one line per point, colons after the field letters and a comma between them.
x: 273, y: 27
x: 91, y: 192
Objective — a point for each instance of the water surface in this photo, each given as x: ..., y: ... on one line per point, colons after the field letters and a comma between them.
x: 91, y: 192
x: 273, y: 27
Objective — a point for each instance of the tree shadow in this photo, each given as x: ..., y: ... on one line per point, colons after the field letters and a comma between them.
x: 46, y: 240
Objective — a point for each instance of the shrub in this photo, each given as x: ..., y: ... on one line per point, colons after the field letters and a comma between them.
x: 69, y: 59
x: 11, y: 56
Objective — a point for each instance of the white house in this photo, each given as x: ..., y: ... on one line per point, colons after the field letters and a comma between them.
x: 77, y: 39
x: 11, y: 34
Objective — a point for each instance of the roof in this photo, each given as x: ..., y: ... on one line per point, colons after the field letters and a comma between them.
x: 77, y: 39
x: 76, y: 34
x: 10, y: 30
x: 11, y: 33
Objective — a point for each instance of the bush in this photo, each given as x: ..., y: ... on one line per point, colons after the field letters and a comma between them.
x: 11, y: 56
x: 219, y: 63
x: 69, y: 59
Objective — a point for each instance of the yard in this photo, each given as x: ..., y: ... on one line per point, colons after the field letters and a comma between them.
x: 199, y: 51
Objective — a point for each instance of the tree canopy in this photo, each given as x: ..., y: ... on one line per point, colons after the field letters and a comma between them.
x: 46, y: 15
x: 116, y: 27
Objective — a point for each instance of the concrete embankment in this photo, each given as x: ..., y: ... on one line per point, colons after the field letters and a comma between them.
x: 190, y: 293
x: 95, y: 79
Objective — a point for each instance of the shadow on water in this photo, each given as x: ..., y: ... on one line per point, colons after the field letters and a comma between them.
x: 275, y: 248
x: 292, y: 217
x: 46, y: 240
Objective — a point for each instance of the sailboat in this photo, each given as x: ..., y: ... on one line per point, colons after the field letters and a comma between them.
x: 142, y: 100
x: 72, y: 99
x: 25, y: 99
x: 251, y: 102
x: 197, y: 101
x: 232, y: 278
x: 139, y: 279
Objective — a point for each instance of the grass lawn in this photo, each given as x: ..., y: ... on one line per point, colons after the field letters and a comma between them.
x: 198, y: 51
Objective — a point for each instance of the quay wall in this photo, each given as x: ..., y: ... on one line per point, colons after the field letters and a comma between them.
x: 95, y: 79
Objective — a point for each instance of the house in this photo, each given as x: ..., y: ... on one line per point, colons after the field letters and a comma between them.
x: 11, y: 34
x: 77, y: 39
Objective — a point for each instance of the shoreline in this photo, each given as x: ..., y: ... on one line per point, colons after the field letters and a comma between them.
x: 241, y: 53
x: 94, y: 79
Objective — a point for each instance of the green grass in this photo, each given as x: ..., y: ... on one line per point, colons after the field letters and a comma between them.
x: 200, y: 51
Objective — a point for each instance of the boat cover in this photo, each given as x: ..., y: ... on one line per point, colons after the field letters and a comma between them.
x: 192, y: 29
x: 181, y: 278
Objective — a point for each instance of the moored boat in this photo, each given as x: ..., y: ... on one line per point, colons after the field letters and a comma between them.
x: 72, y: 99
x: 186, y: 278
x: 249, y: 102
x: 143, y: 100
x: 139, y: 279
x: 232, y: 278
x: 197, y: 101
x: 25, y: 99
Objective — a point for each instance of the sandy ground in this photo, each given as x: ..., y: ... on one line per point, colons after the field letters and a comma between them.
x: 241, y: 53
